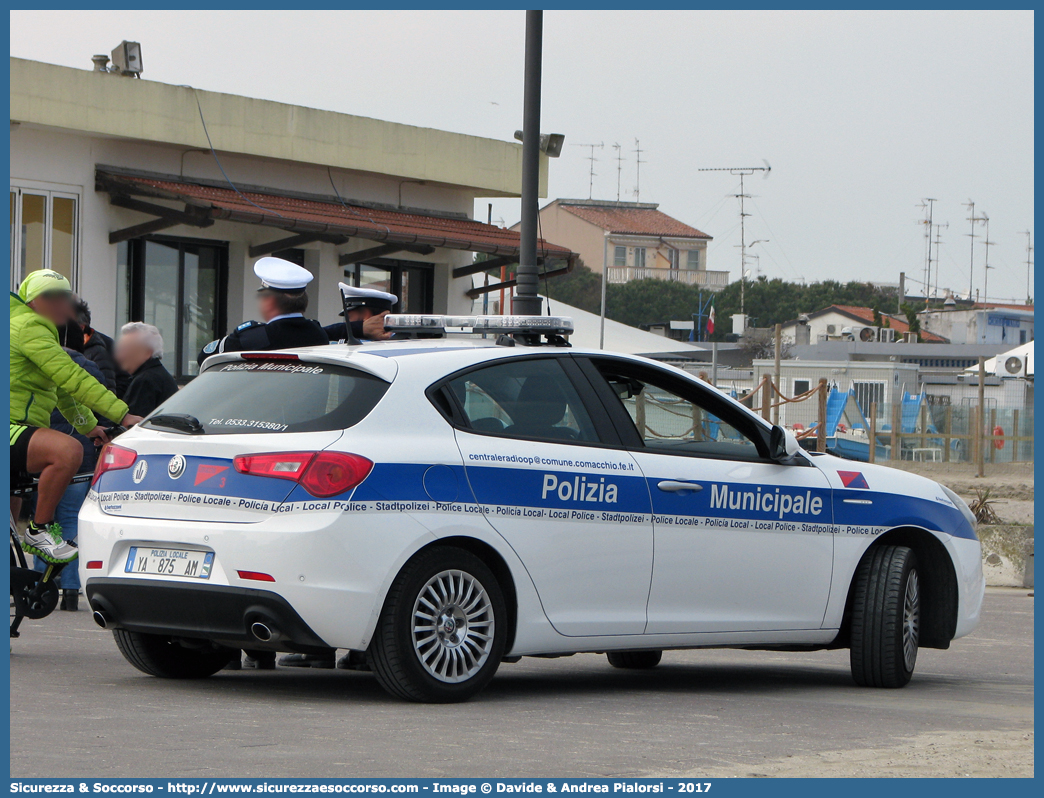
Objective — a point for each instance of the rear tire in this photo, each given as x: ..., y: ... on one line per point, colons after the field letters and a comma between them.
x: 886, y: 617
x: 441, y: 634
x: 634, y: 660
x: 158, y: 655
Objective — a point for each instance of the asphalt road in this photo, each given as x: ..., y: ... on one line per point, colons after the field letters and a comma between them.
x: 78, y: 709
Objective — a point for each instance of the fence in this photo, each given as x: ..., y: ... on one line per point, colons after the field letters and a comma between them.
x: 909, y: 431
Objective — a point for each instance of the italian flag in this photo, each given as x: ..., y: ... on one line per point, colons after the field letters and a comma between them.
x: 710, y: 320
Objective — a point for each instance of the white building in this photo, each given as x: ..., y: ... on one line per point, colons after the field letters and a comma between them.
x: 1004, y: 325
x: 114, y: 183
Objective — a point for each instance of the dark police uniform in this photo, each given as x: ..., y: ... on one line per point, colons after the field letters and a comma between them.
x: 283, y: 332
x: 353, y: 297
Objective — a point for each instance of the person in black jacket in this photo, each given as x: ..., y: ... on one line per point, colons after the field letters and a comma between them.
x: 281, y: 301
x: 138, y: 352
x: 99, y: 349
x: 71, y: 337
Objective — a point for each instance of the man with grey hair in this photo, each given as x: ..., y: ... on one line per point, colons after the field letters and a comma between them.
x: 138, y: 352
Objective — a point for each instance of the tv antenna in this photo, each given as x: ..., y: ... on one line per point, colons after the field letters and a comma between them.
x: 928, y: 205
x: 986, y: 266
x: 938, y: 243
x: 619, y: 168
x: 592, y: 159
x: 742, y: 171
x: 1029, y: 264
x: 971, y: 258
x: 638, y: 170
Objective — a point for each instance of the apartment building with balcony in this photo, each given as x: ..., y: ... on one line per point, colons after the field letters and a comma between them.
x: 632, y: 240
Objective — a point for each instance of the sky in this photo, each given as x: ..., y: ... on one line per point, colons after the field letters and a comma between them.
x: 861, y: 115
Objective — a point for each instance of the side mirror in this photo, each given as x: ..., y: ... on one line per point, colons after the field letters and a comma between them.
x: 783, y: 444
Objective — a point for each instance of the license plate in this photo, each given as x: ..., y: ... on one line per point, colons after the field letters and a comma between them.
x: 169, y: 562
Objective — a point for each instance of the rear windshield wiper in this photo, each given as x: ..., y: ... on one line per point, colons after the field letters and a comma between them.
x: 182, y: 422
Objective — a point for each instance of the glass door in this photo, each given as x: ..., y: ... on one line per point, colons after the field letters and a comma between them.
x: 179, y: 285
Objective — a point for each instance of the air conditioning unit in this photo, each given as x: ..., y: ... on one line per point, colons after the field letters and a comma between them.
x: 886, y: 335
x: 831, y: 329
x: 1013, y: 366
x: 909, y: 338
x: 868, y: 334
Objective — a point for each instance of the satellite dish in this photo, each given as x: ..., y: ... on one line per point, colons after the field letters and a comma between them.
x: 746, y: 274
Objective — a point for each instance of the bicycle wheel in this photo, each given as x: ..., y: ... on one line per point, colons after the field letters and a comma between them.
x: 17, y: 561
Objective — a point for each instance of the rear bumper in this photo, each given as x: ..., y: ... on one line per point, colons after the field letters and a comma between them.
x: 218, y: 613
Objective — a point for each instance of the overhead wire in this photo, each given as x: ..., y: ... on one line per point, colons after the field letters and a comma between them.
x: 202, y: 119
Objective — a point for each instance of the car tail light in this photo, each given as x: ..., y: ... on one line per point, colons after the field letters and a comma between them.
x: 281, y: 465
x: 268, y: 356
x: 323, y: 474
x: 113, y: 458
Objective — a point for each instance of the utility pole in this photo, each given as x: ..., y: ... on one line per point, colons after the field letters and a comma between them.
x: 619, y: 168
x: 742, y: 171
x: 638, y: 170
x: 592, y: 159
x: 971, y: 258
x: 1029, y: 266
x: 986, y: 266
x: 527, y: 300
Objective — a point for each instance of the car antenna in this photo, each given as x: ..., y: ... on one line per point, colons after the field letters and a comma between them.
x: 349, y: 336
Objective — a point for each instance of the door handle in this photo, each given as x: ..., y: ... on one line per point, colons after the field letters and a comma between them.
x: 677, y: 486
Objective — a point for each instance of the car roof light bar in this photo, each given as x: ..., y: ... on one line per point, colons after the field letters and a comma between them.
x: 440, y: 324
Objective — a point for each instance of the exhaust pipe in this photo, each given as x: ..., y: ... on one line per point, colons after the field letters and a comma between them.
x: 101, y: 619
x: 262, y: 631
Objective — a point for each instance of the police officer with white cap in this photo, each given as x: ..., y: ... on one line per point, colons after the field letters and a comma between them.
x: 281, y: 302
x: 366, y: 308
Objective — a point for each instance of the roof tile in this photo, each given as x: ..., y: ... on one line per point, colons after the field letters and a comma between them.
x: 306, y: 215
x: 634, y: 221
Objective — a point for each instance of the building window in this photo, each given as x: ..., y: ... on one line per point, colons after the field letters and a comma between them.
x: 800, y: 387
x: 412, y: 283
x: 620, y: 257
x: 675, y: 258
x: 639, y: 257
x: 1022, y: 336
x: 868, y: 392
x: 44, y: 231
x: 693, y: 259
x: 180, y: 285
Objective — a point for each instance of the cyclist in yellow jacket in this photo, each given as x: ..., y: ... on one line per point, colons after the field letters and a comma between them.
x: 43, y: 377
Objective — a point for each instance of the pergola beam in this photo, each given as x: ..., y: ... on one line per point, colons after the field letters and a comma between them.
x: 474, y: 293
x: 382, y: 251
x: 127, y: 233
x: 291, y: 242
x: 486, y: 265
x: 168, y: 217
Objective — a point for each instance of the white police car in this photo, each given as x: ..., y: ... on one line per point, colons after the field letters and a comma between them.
x: 445, y: 504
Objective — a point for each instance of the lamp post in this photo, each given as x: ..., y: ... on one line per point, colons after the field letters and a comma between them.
x: 527, y: 301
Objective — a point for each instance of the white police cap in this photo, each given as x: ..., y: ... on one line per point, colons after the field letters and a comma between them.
x: 281, y: 275
x: 367, y: 297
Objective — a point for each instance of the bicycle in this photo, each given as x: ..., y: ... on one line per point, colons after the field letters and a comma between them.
x: 35, y: 595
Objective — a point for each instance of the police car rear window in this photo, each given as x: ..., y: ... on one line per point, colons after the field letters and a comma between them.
x: 260, y: 396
